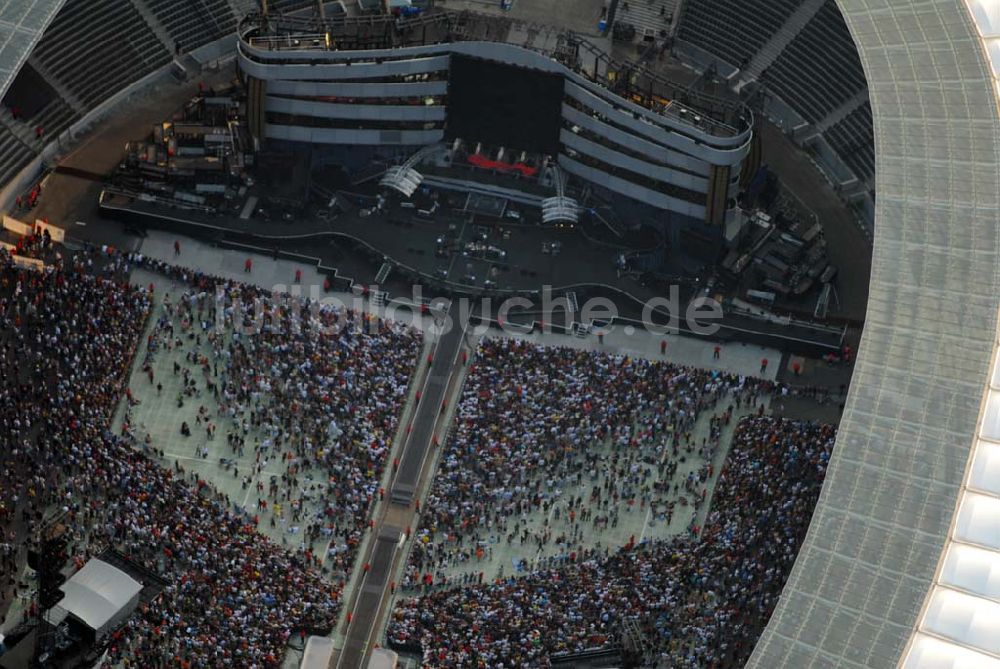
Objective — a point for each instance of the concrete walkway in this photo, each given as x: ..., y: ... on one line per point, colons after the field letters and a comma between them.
x: 431, y: 421
x: 740, y: 358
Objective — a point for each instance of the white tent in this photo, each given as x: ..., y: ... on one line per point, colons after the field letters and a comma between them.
x: 383, y: 658
x: 100, y: 596
x: 318, y: 653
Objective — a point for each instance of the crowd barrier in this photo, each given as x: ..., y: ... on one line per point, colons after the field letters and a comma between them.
x: 16, y: 226
x: 29, y: 263
x: 23, y: 229
x: 58, y: 234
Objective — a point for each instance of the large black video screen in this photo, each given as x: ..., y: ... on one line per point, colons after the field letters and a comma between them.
x: 504, y: 105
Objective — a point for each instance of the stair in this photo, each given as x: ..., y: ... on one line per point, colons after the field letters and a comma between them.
x: 574, y: 305
x: 54, y: 118
x: 678, y: 9
x: 841, y: 112
x: 189, y: 65
x: 645, y: 16
x: 14, y: 154
x: 239, y: 9
x: 609, y: 219
x: 23, y: 130
x: 372, y: 171
x: 383, y: 273
x: 154, y: 23
x: 78, y: 106
x: 774, y: 46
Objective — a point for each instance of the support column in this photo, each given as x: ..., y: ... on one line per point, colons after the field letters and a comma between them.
x: 256, y: 99
x: 718, y: 194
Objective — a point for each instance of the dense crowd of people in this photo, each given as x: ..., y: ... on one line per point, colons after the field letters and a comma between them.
x: 529, y: 425
x: 528, y: 420
x: 574, y: 435
x: 317, y: 395
x: 233, y: 597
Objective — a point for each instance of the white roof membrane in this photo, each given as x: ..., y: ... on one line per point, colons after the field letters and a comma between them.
x: 22, y: 23
x: 911, y: 465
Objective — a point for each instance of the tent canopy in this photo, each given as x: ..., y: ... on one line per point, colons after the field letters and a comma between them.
x: 99, y: 595
x: 318, y: 653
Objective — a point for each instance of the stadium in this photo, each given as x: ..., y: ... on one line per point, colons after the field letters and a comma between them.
x: 514, y: 333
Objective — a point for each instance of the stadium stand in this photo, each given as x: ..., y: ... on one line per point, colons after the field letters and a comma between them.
x: 852, y: 140
x: 192, y: 23
x: 91, y: 50
x: 812, y: 65
x: 14, y: 154
x: 733, y: 30
x: 650, y: 17
x: 819, y: 69
x: 96, y: 49
x: 774, y: 46
x: 33, y: 103
x: 55, y: 116
x: 291, y: 5
x: 867, y: 587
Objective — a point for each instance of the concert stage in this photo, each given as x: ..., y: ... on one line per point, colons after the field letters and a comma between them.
x: 453, y: 253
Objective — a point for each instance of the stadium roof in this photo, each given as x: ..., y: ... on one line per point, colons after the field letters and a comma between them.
x: 859, y: 591
x: 22, y: 23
